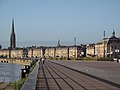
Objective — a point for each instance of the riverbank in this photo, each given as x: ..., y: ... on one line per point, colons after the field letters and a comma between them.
x: 12, y: 85
x: 16, y: 61
x: 16, y: 85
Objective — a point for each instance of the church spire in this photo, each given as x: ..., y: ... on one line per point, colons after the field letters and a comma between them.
x: 12, y: 24
x: 12, y: 37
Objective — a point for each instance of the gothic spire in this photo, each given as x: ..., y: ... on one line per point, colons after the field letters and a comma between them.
x: 12, y: 24
x: 12, y: 37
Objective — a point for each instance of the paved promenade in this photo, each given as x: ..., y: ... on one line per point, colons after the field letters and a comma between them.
x: 106, y: 70
x: 30, y: 83
x: 77, y: 75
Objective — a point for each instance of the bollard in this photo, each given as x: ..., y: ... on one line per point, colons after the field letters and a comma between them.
x: 118, y: 60
x: 31, y: 64
x: 27, y: 67
x: 23, y: 73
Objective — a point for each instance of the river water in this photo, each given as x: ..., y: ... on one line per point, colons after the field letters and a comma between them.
x: 10, y: 72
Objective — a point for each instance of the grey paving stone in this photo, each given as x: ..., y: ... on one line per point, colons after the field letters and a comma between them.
x: 30, y: 83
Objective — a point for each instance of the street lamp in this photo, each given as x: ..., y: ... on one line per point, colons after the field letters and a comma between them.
x: 111, y: 54
x: 97, y: 54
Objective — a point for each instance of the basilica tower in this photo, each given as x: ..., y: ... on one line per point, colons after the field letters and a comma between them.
x: 12, y: 37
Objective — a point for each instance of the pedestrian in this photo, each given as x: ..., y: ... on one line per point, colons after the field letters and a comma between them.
x: 43, y: 60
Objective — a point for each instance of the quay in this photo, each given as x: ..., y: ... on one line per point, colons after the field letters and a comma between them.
x: 74, y: 75
x: 16, y: 61
x: 14, y: 75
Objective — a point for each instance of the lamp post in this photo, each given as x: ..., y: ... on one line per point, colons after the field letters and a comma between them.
x: 104, y: 46
x: 97, y: 54
x: 111, y: 56
x: 74, y: 47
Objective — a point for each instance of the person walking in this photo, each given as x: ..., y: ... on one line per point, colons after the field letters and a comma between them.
x: 43, y: 60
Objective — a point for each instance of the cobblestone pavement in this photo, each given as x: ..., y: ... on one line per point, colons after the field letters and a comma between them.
x: 55, y: 75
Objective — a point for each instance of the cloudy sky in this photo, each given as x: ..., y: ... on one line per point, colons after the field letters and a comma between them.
x: 43, y: 22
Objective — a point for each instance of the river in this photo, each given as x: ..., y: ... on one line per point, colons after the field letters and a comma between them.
x: 10, y: 72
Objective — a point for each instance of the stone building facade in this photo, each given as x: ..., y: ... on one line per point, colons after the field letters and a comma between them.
x: 101, y: 48
x: 38, y: 52
x: 113, y: 49
x: 17, y: 53
x: 50, y: 52
x: 5, y: 53
x: 60, y: 52
x: 76, y: 51
x: 90, y: 50
x: 108, y: 47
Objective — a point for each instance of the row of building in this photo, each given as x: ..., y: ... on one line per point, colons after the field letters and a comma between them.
x: 61, y: 52
x: 108, y: 47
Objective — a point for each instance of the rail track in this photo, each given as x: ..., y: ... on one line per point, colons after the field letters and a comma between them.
x: 53, y: 76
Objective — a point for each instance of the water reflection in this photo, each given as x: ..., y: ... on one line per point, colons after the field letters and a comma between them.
x: 10, y: 72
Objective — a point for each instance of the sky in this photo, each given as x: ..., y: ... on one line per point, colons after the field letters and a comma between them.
x: 43, y: 22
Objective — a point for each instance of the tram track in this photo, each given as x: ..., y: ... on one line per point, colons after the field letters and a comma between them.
x: 45, y: 78
x: 68, y: 77
x: 41, y: 75
x: 89, y: 75
x: 54, y: 78
x: 55, y: 70
x: 59, y: 77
